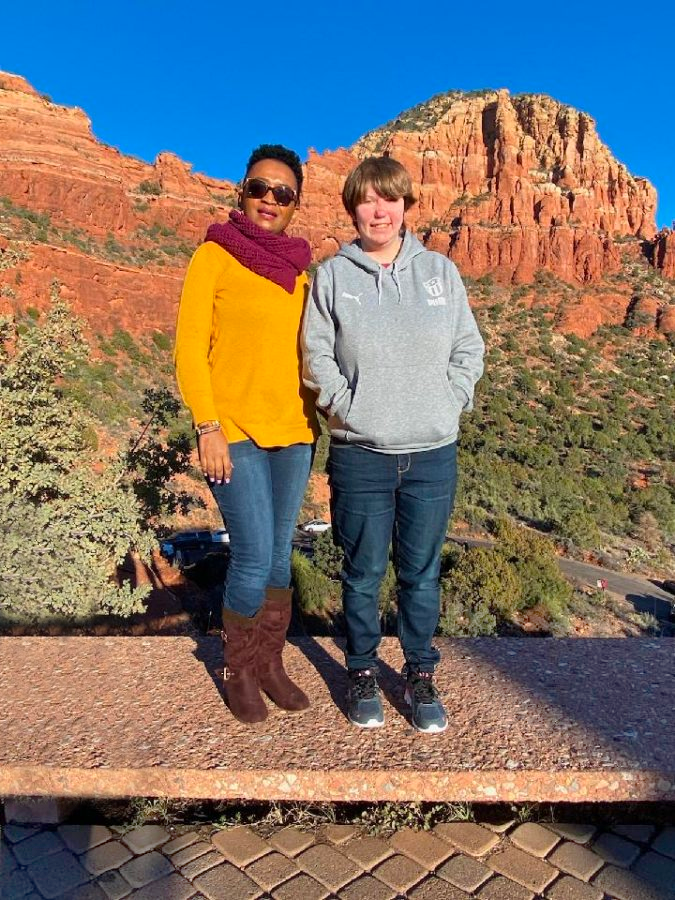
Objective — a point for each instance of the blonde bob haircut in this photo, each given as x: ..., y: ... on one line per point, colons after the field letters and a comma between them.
x: 384, y: 175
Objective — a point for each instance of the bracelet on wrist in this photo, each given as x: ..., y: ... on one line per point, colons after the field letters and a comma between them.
x: 207, y: 427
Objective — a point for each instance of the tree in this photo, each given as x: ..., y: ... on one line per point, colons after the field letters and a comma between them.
x: 67, y: 520
x: 152, y: 459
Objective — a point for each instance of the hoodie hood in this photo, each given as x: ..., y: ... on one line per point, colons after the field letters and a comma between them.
x: 410, y: 248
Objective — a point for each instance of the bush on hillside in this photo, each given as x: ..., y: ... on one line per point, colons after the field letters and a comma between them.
x: 327, y: 556
x: 313, y: 590
x: 154, y: 457
x: 487, y: 587
x: 535, y: 562
x: 67, y: 518
x: 482, y: 588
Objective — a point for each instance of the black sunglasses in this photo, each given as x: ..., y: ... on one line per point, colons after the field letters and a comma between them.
x: 257, y: 188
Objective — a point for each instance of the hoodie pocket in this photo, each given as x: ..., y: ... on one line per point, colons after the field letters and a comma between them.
x: 409, y: 407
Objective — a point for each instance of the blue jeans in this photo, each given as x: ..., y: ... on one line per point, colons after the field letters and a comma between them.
x: 406, y: 499
x: 260, y: 508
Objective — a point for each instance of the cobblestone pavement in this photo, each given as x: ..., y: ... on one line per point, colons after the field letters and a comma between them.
x: 505, y: 861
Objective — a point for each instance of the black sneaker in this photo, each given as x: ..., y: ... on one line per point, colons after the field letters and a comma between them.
x: 364, y: 700
x: 427, y: 713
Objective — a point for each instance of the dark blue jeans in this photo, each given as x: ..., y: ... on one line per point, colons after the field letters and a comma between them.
x: 378, y: 499
x: 260, y: 507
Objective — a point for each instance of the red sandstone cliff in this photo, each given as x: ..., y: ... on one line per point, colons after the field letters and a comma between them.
x: 507, y: 185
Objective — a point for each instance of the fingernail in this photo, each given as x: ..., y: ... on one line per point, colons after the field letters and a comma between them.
x: 219, y: 481
x: 227, y: 481
x: 211, y: 479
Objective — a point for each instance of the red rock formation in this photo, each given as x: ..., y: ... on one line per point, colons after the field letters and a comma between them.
x: 140, y: 300
x: 517, y: 184
x: 591, y: 311
x: 667, y: 322
x: 664, y: 252
x: 506, y: 185
x: 643, y: 316
x: 51, y: 161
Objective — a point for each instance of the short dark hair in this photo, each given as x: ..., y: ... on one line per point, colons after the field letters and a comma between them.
x: 385, y: 175
x: 280, y: 153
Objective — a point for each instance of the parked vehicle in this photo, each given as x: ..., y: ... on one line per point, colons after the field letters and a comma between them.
x: 315, y: 526
x: 186, y: 547
x: 668, y: 585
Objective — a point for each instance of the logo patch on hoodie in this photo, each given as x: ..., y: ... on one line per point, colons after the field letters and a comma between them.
x: 434, y: 287
x: 356, y: 297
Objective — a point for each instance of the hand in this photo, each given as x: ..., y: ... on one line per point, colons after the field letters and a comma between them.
x: 214, y: 457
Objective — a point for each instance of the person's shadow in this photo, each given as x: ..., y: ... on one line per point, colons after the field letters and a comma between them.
x: 334, y: 674
x: 209, y: 651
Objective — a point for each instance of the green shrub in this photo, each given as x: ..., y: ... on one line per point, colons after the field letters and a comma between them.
x: 153, y: 458
x: 535, y: 562
x: 313, y: 591
x: 150, y: 187
x: 482, y: 587
x: 65, y: 524
x: 328, y: 557
x: 387, y: 596
x: 122, y: 342
x: 161, y: 341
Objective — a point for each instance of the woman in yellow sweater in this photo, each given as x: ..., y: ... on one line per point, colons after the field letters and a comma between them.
x: 238, y: 368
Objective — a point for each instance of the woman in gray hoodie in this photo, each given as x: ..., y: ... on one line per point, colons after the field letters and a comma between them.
x: 393, y: 351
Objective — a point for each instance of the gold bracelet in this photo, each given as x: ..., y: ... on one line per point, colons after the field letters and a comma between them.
x: 207, y: 427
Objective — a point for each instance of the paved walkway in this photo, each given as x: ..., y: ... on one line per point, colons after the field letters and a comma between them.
x: 504, y: 861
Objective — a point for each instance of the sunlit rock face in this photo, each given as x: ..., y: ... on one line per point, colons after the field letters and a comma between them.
x: 507, y: 185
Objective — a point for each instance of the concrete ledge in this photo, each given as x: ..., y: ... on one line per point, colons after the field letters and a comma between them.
x: 531, y: 720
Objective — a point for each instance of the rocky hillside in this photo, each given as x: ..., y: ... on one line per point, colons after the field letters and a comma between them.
x: 510, y: 187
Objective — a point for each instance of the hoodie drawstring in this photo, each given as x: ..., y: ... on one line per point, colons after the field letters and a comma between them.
x: 395, y: 279
x: 394, y: 275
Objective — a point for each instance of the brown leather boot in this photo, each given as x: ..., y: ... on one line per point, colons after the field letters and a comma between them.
x: 272, y: 678
x: 240, y: 647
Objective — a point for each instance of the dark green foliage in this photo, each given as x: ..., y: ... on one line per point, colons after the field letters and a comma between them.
x: 557, y: 433
x: 161, y: 340
x: 68, y: 517
x: 534, y: 560
x: 486, y: 588
x: 150, y: 187
x: 327, y: 556
x: 65, y: 523
x: 313, y: 590
x: 152, y: 458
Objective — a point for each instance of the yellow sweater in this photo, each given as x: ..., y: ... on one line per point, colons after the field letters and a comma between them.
x: 238, y: 352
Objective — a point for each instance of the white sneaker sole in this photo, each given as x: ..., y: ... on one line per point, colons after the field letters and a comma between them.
x: 371, y: 723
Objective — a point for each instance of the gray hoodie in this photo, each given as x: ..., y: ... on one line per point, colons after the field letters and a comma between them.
x: 393, y: 352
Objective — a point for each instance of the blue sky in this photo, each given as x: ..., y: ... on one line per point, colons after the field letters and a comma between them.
x: 210, y: 81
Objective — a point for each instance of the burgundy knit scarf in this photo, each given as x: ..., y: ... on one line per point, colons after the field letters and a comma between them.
x: 274, y: 256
